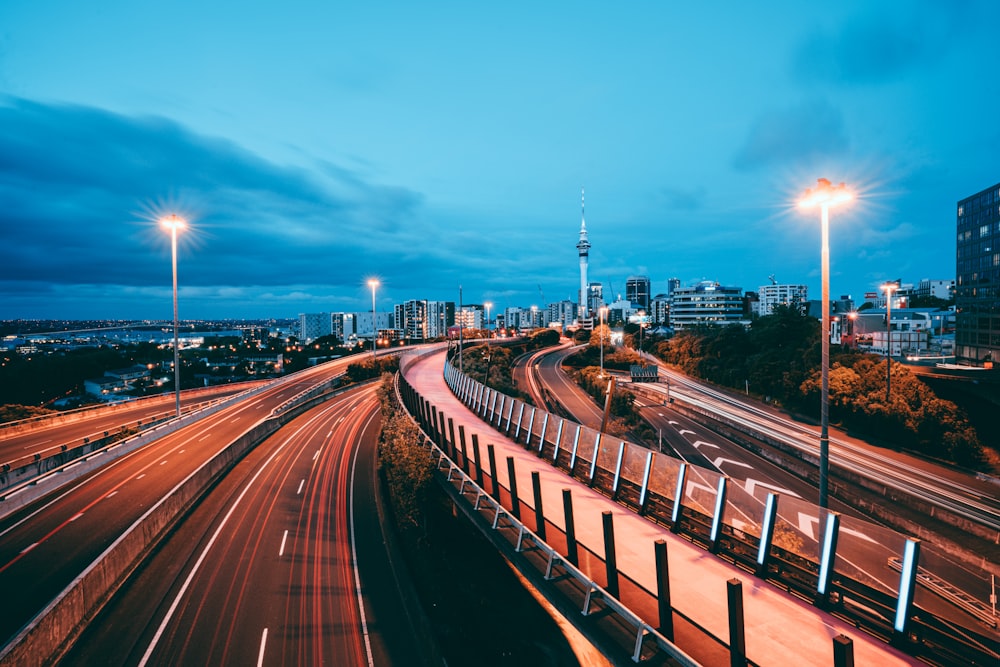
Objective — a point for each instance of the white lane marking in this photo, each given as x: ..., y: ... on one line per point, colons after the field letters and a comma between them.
x: 281, y: 551
x: 673, y: 423
x: 354, y: 564
x: 163, y: 462
x: 234, y: 420
x: 181, y: 451
x: 808, y: 525
x: 203, y: 439
x: 29, y: 548
x: 316, y: 455
x: 111, y: 494
x: 76, y: 517
x: 699, y: 443
x: 751, y: 485
x: 263, y: 643
x: 208, y: 547
x: 719, y: 461
x: 141, y: 476
x: 684, y: 430
x: 301, y: 484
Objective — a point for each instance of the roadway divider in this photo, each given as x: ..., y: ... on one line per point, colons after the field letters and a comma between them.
x: 46, y: 475
x: 14, y: 474
x: 55, y: 629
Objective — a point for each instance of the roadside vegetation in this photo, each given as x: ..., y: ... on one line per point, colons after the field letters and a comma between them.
x: 778, y: 359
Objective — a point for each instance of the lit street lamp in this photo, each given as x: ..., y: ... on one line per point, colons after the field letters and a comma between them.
x: 373, y: 284
x: 825, y: 195
x: 889, y: 289
x: 488, y: 304
x: 175, y: 224
x: 603, y: 311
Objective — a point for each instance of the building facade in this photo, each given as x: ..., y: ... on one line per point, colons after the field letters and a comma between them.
x: 771, y: 296
x: 637, y: 290
x: 977, y: 278
x: 707, y: 302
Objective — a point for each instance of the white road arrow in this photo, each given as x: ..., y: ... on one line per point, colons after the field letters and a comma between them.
x: 751, y: 485
x: 699, y: 443
x: 684, y: 430
x: 719, y: 461
x: 807, y: 525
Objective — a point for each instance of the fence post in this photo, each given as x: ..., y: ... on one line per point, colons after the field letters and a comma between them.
x: 843, y: 651
x: 665, y: 609
x: 536, y: 488
x: 515, y: 503
x: 737, y: 638
x: 477, y: 460
x: 494, y: 483
x: 571, y: 550
x: 610, y: 559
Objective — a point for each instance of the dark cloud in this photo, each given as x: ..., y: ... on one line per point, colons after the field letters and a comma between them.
x: 873, y: 49
x: 812, y: 130
x: 81, y: 189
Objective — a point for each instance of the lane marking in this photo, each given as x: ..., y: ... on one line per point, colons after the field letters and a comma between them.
x: 301, y: 484
x: 316, y: 455
x: 699, y: 443
x: 808, y: 524
x: 163, y: 462
x: 263, y: 643
x: 354, y: 562
x: 76, y: 517
x: 684, y: 430
x: 719, y: 461
x: 29, y: 548
x: 751, y: 485
x: 141, y: 476
x: 234, y: 420
x: 673, y: 423
x: 111, y: 494
x: 203, y: 439
x: 281, y: 551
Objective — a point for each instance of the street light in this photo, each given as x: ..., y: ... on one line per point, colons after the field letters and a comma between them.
x: 603, y: 311
x: 175, y: 224
x: 825, y: 195
x: 488, y: 305
x: 853, y: 317
x: 889, y: 289
x: 373, y: 283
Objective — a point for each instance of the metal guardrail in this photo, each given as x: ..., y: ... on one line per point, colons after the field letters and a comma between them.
x: 597, y: 460
x: 556, y: 567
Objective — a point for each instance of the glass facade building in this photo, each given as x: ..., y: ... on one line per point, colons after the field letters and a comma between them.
x: 977, y: 278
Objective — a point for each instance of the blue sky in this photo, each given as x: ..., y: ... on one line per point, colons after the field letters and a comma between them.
x: 317, y: 144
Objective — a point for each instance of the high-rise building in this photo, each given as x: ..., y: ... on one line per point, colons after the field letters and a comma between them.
x: 313, y: 326
x: 672, y: 284
x: 707, y: 302
x: 939, y: 289
x: 583, y: 247
x: 659, y: 307
x: 977, y: 277
x: 637, y: 291
x: 595, y: 297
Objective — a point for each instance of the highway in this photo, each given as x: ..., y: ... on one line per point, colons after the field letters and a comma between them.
x: 46, y: 545
x: 283, y: 563
x: 21, y: 441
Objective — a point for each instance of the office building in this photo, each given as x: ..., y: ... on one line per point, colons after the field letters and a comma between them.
x: 707, y: 302
x: 770, y: 296
x: 637, y: 290
x: 977, y: 278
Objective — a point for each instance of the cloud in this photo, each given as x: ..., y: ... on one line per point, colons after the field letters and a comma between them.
x: 877, y: 48
x: 811, y: 131
x: 83, y: 187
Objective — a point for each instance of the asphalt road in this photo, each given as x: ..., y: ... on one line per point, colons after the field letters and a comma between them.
x: 283, y: 563
x: 47, y: 544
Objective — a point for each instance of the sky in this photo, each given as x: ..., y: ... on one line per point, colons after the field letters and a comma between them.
x: 314, y: 145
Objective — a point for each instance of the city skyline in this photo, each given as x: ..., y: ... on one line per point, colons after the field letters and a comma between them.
x: 443, y: 145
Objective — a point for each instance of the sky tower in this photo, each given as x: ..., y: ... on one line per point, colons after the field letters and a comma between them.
x: 583, y: 245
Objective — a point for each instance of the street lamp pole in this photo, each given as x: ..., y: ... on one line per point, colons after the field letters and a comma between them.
x: 889, y: 289
x: 488, y: 305
x: 825, y: 195
x: 602, y: 310
x: 175, y: 223
x: 373, y: 284
x: 461, y: 327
